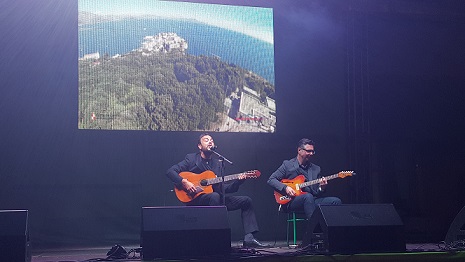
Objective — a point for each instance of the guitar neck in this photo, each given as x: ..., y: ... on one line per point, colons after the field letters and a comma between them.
x: 316, y: 181
x: 232, y: 177
x: 219, y: 179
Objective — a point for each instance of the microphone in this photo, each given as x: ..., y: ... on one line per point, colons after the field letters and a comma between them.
x: 213, y: 148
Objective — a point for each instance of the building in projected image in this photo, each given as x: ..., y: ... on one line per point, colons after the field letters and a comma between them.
x: 250, y: 113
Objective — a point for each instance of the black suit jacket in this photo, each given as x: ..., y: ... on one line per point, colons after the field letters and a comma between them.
x: 290, y: 169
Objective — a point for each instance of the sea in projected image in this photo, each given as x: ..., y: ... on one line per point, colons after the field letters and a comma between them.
x: 122, y: 89
x: 123, y: 36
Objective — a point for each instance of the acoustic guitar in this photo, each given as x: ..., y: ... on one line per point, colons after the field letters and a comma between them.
x: 203, y: 183
x: 298, y: 183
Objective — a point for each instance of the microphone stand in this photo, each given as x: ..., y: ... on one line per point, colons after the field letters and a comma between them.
x: 222, y: 159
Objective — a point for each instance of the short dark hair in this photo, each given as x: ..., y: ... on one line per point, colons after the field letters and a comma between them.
x: 202, y: 135
x: 305, y: 141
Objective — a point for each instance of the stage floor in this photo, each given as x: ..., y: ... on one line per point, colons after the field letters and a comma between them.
x: 280, y: 252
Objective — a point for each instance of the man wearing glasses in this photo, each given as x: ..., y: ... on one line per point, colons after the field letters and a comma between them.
x: 306, y: 198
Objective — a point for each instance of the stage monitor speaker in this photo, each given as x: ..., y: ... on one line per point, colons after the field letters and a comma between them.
x: 457, y: 228
x: 350, y: 229
x: 185, y: 232
x: 14, y: 236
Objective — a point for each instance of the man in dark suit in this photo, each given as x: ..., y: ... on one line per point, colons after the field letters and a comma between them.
x: 202, y: 161
x: 301, y: 165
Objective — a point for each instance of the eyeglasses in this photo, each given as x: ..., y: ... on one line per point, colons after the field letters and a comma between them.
x: 310, y: 151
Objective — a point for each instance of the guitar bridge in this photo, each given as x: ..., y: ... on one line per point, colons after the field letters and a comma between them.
x: 197, y: 190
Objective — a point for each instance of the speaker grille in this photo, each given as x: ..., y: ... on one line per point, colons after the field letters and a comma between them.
x: 178, y: 232
x: 353, y: 229
x: 14, y: 236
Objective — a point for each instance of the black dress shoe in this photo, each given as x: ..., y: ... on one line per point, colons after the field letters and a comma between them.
x: 254, y: 243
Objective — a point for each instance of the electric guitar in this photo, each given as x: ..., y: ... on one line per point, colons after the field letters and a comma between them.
x: 298, y: 183
x: 203, y: 183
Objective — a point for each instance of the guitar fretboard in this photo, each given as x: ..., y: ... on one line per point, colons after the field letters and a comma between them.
x: 316, y: 181
x: 217, y: 180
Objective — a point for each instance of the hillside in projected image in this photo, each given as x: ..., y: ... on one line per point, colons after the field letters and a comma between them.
x: 175, y: 66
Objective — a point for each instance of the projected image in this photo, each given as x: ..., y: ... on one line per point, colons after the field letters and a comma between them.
x: 175, y: 66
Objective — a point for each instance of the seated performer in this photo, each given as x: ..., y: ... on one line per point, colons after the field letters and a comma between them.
x: 198, y: 163
x: 301, y: 165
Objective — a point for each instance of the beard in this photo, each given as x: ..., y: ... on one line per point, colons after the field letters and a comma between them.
x: 206, y: 150
x: 305, y: 160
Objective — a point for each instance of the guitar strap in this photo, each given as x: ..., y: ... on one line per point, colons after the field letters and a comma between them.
x: 206, y: 164
x: 211, y: 165
x: 306, y: 171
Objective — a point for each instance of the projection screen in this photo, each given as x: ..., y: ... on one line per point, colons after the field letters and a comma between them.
x: 175, y: 66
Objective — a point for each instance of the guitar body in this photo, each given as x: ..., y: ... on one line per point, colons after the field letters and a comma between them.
x: 203, y: 182
x: 299, y: 182
x: 294, y: 184
x: 199, y: 181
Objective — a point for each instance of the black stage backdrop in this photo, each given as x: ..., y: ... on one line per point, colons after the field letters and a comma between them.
x: 378, y: 86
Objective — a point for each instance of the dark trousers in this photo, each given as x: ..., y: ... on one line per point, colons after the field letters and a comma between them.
x: 244, y: 203
x: 308, y: 203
